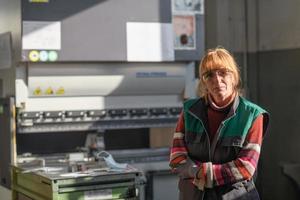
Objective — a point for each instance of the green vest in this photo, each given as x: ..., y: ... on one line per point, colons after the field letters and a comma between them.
x: 237, y: 124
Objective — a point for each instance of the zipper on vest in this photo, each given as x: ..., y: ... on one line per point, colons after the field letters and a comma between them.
x: 206, y: 133
x: 216, y: 139
x: 208, y: 140
x: 217, y: 136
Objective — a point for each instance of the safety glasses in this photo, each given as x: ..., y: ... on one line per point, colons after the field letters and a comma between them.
x: 209, y: 75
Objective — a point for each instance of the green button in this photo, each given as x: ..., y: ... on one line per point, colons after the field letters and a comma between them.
x: 52, y: 56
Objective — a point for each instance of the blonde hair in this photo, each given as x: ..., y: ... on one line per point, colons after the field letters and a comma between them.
x: 218, y: 58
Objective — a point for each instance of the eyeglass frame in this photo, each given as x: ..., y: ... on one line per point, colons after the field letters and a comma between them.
x: 208, y: 75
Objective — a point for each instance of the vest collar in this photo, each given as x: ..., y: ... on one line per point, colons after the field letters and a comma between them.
x: 235, y: 105
x: 199, y: 108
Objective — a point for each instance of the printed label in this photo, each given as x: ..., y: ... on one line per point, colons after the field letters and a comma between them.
x: 40, y: 35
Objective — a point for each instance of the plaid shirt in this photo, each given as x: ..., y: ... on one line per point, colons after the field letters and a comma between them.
x: 208, y: 174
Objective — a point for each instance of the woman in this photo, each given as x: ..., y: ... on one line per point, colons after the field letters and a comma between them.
x: 218, y: 136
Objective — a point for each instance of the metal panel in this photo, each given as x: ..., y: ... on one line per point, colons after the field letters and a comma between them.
x: 67, y: 186
x: 94, y: 30
x: 110, y: 79
x: 162, y: 185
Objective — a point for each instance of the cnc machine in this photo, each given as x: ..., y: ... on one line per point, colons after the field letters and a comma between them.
x: 98, y: 77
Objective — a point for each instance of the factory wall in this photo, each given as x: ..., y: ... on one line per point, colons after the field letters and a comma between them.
x: 264, y: 36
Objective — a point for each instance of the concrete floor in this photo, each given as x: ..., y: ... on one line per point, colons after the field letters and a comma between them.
x: 5, y: 193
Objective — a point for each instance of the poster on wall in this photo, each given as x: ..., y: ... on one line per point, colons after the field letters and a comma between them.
x: 41, y: 35
x: 184, y: 32
x: 149, y: 41
x: 194, y: 6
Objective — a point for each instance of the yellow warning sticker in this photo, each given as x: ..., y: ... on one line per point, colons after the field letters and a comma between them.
x: 49, y: 91
x: 60, y: 91
x: 37, y: 91
x: 34, y: 56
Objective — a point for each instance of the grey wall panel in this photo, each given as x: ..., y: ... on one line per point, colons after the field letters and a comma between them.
x: 231, y: 24
x: 255, y: 25
x: 6, y: 140
x: 211, y: 28
x: 252, y: 25
x: 10, y: 22
x: 269, y: 59
x: 278, y: 91
x: 226, y: 24
x: 253, y: 76
x: 279, y: 25
x: 273, y: 83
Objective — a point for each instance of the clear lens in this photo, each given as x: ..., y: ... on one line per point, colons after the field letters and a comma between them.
x: 211, y: 73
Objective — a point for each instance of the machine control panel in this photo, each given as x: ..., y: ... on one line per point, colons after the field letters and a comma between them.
x: 158, y: 111
x: 139, y: 112
x: 117, y: 113
x: 30, y: 115
x: 30, y: 122
x: 52, y: 114
x: 96, y: 113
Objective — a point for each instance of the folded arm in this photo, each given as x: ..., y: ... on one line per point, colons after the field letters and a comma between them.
x: 208, y: 174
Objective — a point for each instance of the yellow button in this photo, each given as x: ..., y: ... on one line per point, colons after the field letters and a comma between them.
x: 34, y: 56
